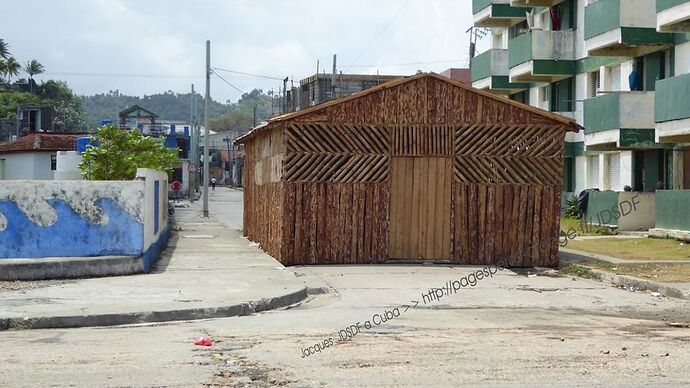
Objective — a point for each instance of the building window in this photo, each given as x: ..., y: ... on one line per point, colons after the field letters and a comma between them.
x: 53, y: 162
x: 518, y: 29
x: 594, y: 84
x: 613, y: 74
x: 522, y: 97
x: 562, y: 96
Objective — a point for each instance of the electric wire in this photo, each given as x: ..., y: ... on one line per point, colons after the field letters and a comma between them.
x: 385, y: 27
x: 226, y: 81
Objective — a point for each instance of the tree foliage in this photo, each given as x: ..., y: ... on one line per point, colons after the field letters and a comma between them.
x: 172, y: 106
x: 241, y: 116
x: 4, y: 49
x: 118, y: 153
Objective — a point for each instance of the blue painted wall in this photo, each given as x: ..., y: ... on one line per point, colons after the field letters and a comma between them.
x: 71, y: 235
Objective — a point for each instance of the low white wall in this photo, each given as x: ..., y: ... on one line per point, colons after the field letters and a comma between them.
x: 155, y: 211
x: 67, y: 168
x: 642, y: 216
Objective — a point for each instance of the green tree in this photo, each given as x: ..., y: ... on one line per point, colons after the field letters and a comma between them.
x: 32, y: 68
x: 4, y: 49
x: 10, y: 100
x: 235, y: 121
x: 118, y: 153
x: 12, y: 68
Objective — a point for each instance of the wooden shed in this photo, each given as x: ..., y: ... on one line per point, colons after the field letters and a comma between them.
x: 421, y: 167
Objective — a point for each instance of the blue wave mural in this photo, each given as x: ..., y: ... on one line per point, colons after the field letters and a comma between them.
x: 71, y: 235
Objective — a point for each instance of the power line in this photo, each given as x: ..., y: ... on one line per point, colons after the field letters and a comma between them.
x: 226, y: 81
x: 249, y: 74
x: 371, y: 42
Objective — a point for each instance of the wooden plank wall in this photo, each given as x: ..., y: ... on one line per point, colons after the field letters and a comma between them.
x: 503, y: 221
x: 263, y: 194
x: 420, y: 216
x: 506, y: 193
x: 334, y: 223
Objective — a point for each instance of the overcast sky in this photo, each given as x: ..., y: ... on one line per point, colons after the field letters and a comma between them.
x: 149, y: 46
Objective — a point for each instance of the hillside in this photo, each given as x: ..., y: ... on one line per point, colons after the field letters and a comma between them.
x: 175, y: 106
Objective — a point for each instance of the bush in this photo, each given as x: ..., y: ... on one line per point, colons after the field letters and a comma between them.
x: 118, y: 153
x: 571, y: 209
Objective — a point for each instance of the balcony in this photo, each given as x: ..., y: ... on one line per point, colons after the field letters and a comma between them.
x: 490, y: 72
x: 496, y: 13
x: 671, y: 110
x: 673, y: 15
x: 619, y: 120
x: 623, y: 28
x: 542, y: 56
x: 534, y: 3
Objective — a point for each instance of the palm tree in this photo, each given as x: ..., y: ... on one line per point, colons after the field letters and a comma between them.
x: 4, y: 49
x: 33, y: 67
x: 12, y: 68
x: 3, y: 70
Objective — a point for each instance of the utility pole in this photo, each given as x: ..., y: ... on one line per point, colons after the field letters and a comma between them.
x: 194, y: 149
x: 228, y: 166
x: 206, y: 132
x: 254, y: 115
x: 284, y: 95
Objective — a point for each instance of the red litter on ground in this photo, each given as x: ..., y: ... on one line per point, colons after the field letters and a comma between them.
x: 204, y: 341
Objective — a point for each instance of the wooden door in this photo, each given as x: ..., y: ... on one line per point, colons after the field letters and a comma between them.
x: 420, y: 208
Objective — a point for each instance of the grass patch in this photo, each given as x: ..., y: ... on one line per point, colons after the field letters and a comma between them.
x: 635, y: 248
x: 569, y: 223
x: 661, y: 272
x: 580, y: 271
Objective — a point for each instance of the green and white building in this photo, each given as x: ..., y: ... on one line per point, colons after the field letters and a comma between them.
x: 621, y: 68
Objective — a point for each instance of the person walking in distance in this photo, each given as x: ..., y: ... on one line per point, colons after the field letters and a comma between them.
x: 176, y: 187
x: 213, y: 183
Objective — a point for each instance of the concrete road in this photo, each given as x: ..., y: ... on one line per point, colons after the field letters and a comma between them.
x: 508, y: 329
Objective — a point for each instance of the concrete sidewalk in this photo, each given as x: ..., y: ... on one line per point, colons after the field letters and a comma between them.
x: 673, y: 290
x: 207, y: 271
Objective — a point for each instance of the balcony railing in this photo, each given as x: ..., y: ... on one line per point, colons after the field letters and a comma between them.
x: 542, y: 56
x: 619, y: 110
x: 492, y: 62
x: 620, y: 120
x: 496, y: 13
x: 621, y: 28
x: 673, y: 15
x: 671, y: 109
x: 490, y: 71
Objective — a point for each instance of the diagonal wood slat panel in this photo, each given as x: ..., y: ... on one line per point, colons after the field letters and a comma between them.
x: 313, y: 167
x: 338, y: 138
x: 508, y: 154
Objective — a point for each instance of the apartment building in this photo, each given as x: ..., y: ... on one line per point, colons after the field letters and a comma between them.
x: 619, y: 67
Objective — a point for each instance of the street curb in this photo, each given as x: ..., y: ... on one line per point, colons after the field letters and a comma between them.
x: 617, y: 280
x: 70, y: 267
x: 115, y: 319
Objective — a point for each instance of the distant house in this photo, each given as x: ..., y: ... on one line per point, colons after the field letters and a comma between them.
x: 323, y: 87
x: 458, y: 74
x: 34, y: 156
x: 34, y: 118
